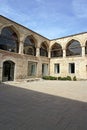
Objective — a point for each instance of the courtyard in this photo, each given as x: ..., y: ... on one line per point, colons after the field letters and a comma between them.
x: 43, y: 105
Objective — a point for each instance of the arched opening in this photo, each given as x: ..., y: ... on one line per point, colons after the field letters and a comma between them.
x: 8, y: 71
x: 43, y: 50
x: 73, y: 48
x: 56, y: 50
x: 9, y: 40
x: 29, y: 46
x: 86, y: 48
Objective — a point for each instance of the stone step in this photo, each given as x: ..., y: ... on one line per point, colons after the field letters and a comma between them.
x: 32, y: 79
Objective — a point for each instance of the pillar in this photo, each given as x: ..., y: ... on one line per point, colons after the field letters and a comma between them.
x: 49, y: 53
x: 37, y: 51
x: 21, y: 46
x: 64, y: 53
x: 83, y: 51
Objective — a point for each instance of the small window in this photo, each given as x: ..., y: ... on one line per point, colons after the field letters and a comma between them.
x: 71, y: 68
x: 56, y: 68
x: 32, y: 68
x: 44, y: 69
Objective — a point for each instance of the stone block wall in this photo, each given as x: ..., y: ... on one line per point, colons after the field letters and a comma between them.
x: 21, y: 60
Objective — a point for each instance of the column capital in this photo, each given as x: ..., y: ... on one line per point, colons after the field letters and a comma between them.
x: 63, y: 48
x: 82, y: 45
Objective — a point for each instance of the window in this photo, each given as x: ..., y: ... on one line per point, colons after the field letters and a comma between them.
x: 29, y: 46
x: 32, y: 68
x: 73, y: 48
x: 9, y: 40
x: 44, y: 69
x: 43, y: 50
x: 86, y: 48
x: 86, y: 68
x: 30, y: 51
x: 56, y: 50
x: 56, y: 68
x: 71, y: 68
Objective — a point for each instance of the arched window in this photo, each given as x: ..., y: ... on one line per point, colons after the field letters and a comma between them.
x: 86, y: 48
x: 9, y: 40
x: 29, y: 46
x: 43, y: 50
x: 56, y: 50
x: 73, y: 48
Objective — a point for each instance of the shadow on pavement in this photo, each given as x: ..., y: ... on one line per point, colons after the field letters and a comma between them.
x: 22, y: 109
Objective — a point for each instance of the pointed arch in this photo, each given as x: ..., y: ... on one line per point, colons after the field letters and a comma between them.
x: 44, y: 49
x: 29, y: 46
x: 73, y: 48
x: 9, y: 39
x: 56, y: 50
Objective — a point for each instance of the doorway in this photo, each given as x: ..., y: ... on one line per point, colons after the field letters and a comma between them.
x: 8, y: 71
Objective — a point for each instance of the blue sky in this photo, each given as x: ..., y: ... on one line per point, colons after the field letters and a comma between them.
x: 50, y: 18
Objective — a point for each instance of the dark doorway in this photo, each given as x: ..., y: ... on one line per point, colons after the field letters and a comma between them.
x: 8, y: 71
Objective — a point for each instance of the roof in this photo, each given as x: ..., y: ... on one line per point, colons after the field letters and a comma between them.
x: 69, y: 36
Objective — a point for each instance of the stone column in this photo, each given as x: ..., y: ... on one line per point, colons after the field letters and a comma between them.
x: 21, y: 46
x: 37, y: 51
x: 83, y: 51
x: 64, y: 53
x: 49, y: 53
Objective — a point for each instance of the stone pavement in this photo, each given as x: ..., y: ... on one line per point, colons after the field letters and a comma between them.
x: 43, y: 105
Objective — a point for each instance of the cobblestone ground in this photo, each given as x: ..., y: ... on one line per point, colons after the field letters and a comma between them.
x: 43, y: 105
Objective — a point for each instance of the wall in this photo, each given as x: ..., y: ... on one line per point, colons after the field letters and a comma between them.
x: 21, y: 64
x: 21, y: 60
x: 80, y: 61
x: 80, y: 67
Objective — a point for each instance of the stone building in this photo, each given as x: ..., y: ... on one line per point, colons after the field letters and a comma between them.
x: 25, y: 53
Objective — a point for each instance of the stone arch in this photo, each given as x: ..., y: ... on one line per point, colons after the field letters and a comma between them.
x: 73, y: 48
x: 32, y: 37
x: 9, y: 39
x: 56, y: 50
x: 67, y: 41
x: 13, y: 27
x: 30, y: 45
x: 8, y: 70
x: 44, y: 49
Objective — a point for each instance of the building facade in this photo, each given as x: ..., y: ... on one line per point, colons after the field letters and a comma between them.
x: 25, y: 54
